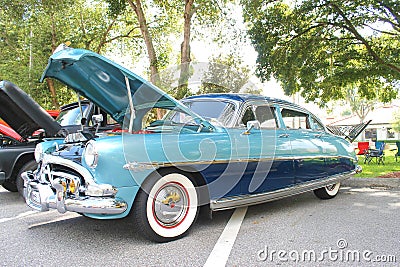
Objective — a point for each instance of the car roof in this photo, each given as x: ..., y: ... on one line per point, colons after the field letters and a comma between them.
x: 244, y: 98
x: 74, y: 104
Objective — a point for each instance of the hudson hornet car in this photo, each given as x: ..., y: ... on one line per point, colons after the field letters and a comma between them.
x: 171, y: 157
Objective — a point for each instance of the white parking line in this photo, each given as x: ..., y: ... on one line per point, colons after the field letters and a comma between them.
x: 60, y: 218
x: 24, y: 214
x: 220, y: 254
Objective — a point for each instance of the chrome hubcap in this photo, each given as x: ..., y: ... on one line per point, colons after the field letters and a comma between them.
x: 170, y: 204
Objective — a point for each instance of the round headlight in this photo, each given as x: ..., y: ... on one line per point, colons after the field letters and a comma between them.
x: 38, y: 152
x: 90, y: 154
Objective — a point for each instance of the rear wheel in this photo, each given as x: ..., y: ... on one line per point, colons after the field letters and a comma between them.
x: 166, y: 207
x: 29, y: 166
x: 327, y: 192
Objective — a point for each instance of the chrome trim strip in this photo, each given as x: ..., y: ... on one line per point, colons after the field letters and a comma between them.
x: 140, y: 166
x: 246, y: 200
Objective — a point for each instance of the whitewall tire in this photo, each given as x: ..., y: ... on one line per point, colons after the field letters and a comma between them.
x: 166, y: 207
x: 327, y: 192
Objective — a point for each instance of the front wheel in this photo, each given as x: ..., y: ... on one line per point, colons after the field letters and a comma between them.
x: 166, y: 207
x: 327, y: 192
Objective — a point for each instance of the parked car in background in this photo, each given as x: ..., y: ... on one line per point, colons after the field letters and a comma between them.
x: 33, y: 125
x: 6, y: 131
x: 7, y: 134
x: 220, y: 150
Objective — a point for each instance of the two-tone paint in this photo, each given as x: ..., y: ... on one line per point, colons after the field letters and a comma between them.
x: 234, y: 161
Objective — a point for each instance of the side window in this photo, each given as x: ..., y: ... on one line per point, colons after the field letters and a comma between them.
x: 294, y: 119
x: 107, y: 119
x: 266, y: 116
x: 317, y: 125
x: 247, y: 116
x: 263, y: 114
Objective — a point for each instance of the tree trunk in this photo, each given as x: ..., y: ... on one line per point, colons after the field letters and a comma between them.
x: 137, y: 7
x: 185, y: 51
x: 49, y: 81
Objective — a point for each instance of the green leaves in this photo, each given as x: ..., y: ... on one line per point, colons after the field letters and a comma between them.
x: 30, y: 31
x: 320, y: 47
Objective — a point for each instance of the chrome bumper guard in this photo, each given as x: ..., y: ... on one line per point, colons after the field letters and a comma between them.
x: 40, y: 196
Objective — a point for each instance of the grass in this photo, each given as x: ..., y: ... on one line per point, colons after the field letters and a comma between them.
x: 374, y: 170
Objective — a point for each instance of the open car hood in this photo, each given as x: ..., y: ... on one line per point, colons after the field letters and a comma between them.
x: 104, y: 83
x: 22, y: 113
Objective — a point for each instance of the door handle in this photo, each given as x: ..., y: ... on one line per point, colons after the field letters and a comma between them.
x: 283, y: 136
x: 318, y: 135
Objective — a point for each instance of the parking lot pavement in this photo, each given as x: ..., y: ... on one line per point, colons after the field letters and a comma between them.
x: 301, y: 230
x: 358, y: 220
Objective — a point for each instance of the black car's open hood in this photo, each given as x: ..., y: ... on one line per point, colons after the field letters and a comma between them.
x: 22, y: 113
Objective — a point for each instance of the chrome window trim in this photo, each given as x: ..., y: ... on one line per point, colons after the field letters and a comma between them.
x: 235, y: 103
x: 246, y: 104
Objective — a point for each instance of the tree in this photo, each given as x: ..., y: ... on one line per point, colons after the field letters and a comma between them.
x: 359, y: 105
x: 194, y: 13
x: 319, y: 47
x: 396, y: 122
x: 226, y: 74
x: 118, y: 7
x: 31, y: 30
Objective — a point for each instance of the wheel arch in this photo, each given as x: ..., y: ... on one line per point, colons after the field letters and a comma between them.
x: 21, y: 161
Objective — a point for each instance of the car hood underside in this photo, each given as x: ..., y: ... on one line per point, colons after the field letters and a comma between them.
x: 22, y: 113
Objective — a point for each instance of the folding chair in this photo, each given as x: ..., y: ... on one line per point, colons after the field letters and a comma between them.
x: 398, y: 150
x: 362, y: 148
x: 377, y: 153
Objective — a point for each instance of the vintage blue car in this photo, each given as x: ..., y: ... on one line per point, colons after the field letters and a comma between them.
x: 220, y: 150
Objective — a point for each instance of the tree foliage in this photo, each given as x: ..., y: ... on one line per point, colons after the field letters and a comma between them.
x: 359, y: 105
x: 318, y: 47
x: 396, y: 122
x: 227, y: 74
x: 31, y: 30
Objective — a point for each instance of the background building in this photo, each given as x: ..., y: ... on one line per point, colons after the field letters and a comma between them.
x: 380, y: 127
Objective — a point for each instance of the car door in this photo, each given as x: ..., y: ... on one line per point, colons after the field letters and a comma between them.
x: 308, y: 145
x: 264, y: 150
x: 334, y: 146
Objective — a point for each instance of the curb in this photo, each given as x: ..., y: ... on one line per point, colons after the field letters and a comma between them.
x: 372, y: 182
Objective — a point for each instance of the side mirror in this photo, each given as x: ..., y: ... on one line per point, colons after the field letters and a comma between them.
x: 97, y: 119
x: 252, y: 125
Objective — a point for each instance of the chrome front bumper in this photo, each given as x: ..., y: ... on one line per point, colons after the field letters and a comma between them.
x: 40, y: 196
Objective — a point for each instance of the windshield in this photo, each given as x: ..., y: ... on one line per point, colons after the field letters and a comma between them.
x: 71, y: 116
x: 216, y: 111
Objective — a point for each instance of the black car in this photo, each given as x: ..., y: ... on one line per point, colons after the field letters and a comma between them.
x: 34, y: 125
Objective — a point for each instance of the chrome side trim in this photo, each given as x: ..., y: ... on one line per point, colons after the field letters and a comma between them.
x: 140, y: 166
x: 247, y: 200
